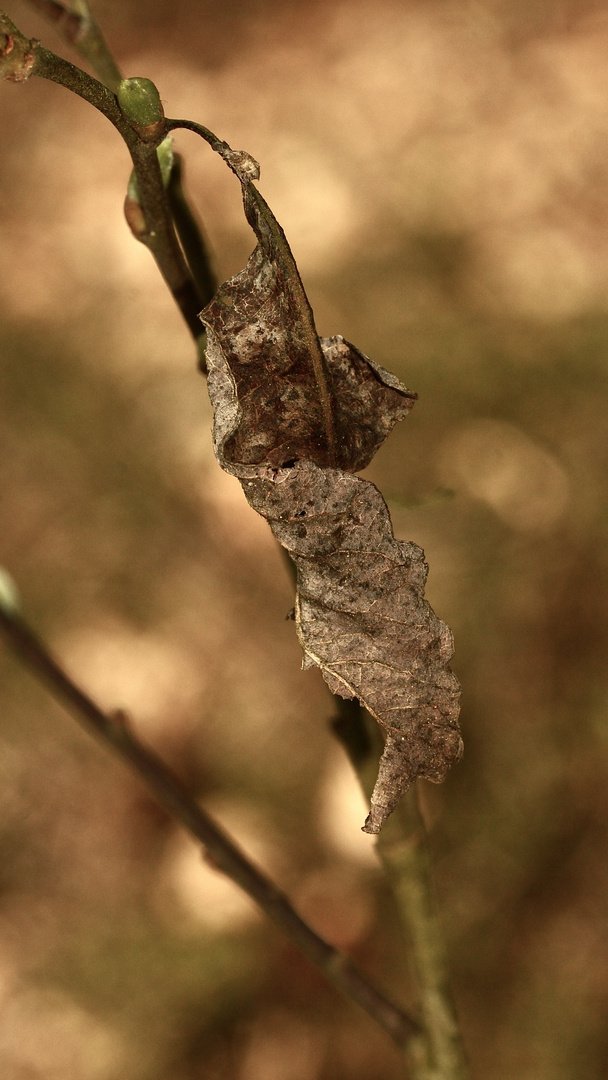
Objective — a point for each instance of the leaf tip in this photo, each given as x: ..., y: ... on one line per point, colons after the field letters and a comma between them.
x: 243, y: 164
x: 373, y: 824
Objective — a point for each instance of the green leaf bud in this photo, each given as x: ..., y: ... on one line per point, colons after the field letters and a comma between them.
x: 9, y: 595
x: 164, y: 153
x: 140, y: 104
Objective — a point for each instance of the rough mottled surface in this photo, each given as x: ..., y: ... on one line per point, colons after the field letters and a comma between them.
x: 280, y: 393
x: 362, y: 618
x: 294, y: 418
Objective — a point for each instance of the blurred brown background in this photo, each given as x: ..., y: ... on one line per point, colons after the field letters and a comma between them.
x: 441, y: 171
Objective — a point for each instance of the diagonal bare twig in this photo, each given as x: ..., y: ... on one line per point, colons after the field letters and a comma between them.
x: 114, y: 731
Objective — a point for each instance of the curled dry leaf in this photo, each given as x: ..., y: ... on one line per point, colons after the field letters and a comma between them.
x: 362, y: 618
x: 295, y: 417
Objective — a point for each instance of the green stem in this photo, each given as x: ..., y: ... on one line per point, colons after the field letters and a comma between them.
x: 402, y: 846
x: 404, y: 852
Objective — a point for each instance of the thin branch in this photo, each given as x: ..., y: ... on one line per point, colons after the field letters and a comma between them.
x: 404, y: 852
x: 436, y: 1053
x: 78, y: 28
x: 21, y: 58
x: 113, y: 730
x: 160, y: 235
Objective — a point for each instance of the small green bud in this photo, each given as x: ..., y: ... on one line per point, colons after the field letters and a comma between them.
x: 164, y: 153
x: 140, y: 104
x: 9, y: 595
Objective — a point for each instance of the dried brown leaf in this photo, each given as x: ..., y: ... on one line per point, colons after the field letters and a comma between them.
x: 294, y: 418
x: 280, y: 393
x: 362, y: 618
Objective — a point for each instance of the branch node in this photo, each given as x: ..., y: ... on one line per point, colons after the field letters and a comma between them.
x: 17, y: 53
